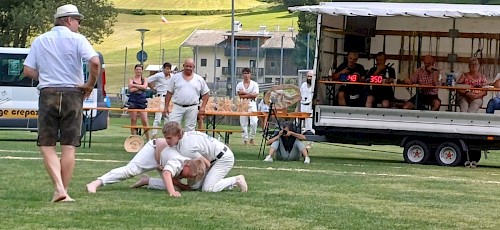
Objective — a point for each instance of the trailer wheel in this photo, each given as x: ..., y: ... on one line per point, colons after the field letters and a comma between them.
x: 416, y: 152
x: 448, y: 154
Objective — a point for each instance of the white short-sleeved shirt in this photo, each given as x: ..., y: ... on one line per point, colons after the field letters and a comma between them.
x: 172, y: 161
x: 253, y: 87
x: 195, y: 144
x: 58, y: 56
x: 306, y: 93
x: 187, y: 92
x: 161, y: 82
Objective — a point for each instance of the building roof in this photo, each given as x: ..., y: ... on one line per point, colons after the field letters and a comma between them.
x: 275, y: 41
x: 208, y: 38
x: 204, y: 38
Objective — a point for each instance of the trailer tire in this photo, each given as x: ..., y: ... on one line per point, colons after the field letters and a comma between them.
x: 449, y: 154
x: 416, y: 152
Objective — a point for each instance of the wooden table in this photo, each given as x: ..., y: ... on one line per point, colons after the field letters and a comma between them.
x: 451, y: 89
x: 87, y: 122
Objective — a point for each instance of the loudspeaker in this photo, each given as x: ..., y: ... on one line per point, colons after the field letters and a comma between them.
x: 361, y: 44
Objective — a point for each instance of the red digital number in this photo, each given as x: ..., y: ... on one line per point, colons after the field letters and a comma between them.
x: 376, y: 79
x: 352, y: 77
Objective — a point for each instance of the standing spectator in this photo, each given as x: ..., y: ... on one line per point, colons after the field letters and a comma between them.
x: 248, y: 89
x: 472, y: 100
x: 159, y: 82
x: 306, y: 92
x: 349, y: 94
x: 185, y: 89
x: 137, y: 86
x: 426, y: 75
x: 56, y: 60
x: 381, y: 94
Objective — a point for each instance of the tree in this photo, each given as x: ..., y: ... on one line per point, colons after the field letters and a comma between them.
x: 307, y: 25
x: 22, y: 20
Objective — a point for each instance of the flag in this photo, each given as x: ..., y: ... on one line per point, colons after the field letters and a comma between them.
x: 163, y: 19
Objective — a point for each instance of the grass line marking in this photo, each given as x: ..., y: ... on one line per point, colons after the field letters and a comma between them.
x: 303, y: 170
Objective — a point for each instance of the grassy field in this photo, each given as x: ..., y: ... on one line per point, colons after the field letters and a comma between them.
x: 187, y: 4
x: 345, y: 187
x: 171, y: 35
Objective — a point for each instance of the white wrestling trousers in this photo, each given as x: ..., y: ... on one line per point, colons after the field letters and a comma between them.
x: 308, y: 122
x: 253, y: 122
x: 158, y: 117
x: 188, y: 113
x: 144, y: 161
x: 214, y: 181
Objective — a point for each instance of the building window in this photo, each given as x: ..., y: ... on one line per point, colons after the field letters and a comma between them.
x: 273, y: 65
x: 253, y: 63
x: 203, y: 62
x: 217, y: 62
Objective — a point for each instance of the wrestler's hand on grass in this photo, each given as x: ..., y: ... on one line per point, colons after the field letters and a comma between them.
x: 175, y: 194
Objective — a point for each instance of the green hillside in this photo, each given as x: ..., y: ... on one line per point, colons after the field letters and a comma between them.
x: 172, y: 34
x: 187, y: 4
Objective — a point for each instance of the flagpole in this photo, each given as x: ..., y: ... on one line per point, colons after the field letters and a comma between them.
x: 161, y: 32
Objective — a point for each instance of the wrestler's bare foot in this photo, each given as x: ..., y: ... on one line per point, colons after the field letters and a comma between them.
x: 144, y: 180
x: 92, y: 186
x: 58, y: 196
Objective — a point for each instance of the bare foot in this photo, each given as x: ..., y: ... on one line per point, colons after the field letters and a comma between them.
x: 92, y: 186
x: 241, y: 183
x: 144, y: 180
x: 58, y: 197
x: 68, y: 199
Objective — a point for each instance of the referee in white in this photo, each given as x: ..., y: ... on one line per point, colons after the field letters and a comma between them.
x: 185, y: 90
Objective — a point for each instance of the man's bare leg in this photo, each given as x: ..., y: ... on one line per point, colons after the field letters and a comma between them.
x: 67, y: 166
x: 53, y: 167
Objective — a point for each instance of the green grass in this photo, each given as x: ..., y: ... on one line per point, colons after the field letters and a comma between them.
x: 188, y: 4
x: 172, y: 35
x: 345, y: 187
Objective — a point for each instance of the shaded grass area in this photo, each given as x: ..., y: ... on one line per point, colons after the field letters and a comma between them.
x: 345, y: 187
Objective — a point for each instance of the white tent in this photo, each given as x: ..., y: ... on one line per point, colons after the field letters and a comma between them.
x: 386, y: 9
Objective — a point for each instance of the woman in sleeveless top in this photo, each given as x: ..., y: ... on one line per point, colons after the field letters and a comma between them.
x: 137, y: 86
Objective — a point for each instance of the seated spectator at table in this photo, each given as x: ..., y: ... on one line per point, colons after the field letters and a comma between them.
x: 288, y: 145
x: 494, y: 103
x: 350, y: 95
x: 381, y: 94
x: 426, y: 75
x: 471, y: 100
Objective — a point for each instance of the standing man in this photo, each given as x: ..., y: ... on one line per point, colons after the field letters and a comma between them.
x: 306, y: 92
x: 159, y: 82
x: 56, y: 61
x: 426, y: 75
x: 185, y: 89
x: 248, y: 89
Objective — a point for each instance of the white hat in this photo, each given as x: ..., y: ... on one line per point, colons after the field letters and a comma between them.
x: 67, y: 10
